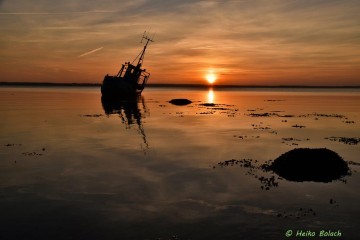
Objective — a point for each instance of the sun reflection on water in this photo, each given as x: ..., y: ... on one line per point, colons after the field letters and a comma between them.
x: 211, y: 96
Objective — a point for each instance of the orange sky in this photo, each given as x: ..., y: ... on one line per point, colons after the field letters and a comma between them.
x: 257, y: 42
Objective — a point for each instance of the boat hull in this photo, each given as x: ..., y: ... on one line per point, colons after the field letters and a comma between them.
x: 117, y: 87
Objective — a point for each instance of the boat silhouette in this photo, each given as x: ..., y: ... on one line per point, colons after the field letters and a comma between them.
x: 130, y: 80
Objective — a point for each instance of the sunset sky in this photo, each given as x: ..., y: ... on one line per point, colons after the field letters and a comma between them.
x: 245, y: 42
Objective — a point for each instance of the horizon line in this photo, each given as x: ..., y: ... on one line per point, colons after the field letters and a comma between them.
x: 193, y: 85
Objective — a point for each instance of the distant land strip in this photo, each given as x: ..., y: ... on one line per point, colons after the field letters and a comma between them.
x: 165, y: 85
x: 49, y: 84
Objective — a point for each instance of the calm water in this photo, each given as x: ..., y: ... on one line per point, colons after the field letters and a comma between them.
x: 74, y: 167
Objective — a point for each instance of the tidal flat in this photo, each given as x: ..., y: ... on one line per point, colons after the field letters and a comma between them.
x: 76, y: 166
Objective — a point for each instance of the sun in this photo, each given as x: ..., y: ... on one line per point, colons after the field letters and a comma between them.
x: 211, y: 77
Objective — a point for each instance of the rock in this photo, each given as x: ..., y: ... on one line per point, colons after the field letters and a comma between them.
x: 180, y: 101
x: 305, y: 164
x: 208, y: 104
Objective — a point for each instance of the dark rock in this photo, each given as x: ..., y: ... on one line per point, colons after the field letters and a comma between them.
x: 304, y: 164
x: 180, y: 101
x: 208, y: 104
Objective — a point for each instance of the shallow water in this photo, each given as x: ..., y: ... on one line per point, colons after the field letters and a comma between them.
x: 148, y: 169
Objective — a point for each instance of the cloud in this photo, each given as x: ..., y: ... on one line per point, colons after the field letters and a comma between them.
x: 54, y: 13
x: 90, y: 52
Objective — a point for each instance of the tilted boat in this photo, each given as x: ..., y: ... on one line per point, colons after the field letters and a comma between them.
x: 130, y: 80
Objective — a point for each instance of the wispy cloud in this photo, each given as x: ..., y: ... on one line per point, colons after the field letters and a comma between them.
x: 90, y: 52
x: 54, y: 13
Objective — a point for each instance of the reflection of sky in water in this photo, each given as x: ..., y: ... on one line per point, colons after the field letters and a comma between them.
x: 98, y: 179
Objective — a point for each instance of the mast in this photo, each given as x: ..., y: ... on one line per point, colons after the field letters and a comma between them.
x: 148, y: 39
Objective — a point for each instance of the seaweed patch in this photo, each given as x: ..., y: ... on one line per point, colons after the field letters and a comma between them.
x: 92, y: 115
x: 345, y: 140
x: 253, y: 168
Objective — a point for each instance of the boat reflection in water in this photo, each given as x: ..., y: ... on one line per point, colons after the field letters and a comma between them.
x: 131, y: 110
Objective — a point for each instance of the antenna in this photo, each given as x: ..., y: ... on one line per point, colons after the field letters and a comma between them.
x: 146, y: 37
x: 142, y: 53
x: 143, y: 36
